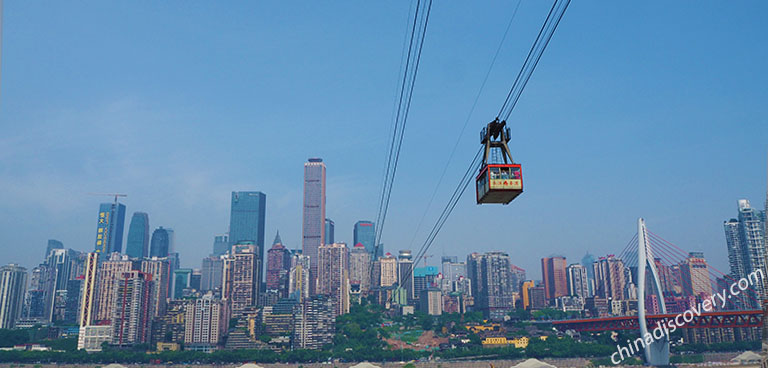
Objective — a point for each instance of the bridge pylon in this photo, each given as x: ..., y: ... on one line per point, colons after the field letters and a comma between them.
x: 657, y: 353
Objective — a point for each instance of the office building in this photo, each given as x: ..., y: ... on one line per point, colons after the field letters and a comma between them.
x: 212, y: 270
x: 53, y: 244
x: 431, y: 301
x: 161, y: 243
x: 298, y: 277
x: 278, y: 266
x: 695, y: 274
x: 385, y: 271
x: 333, y: 277
x: 182, y: 279
x: 365, y: 234
x: 132, y: 313
x: 13, y: 287
x: 137, y: 244
x: 405, y: 274
x: 91, y: 338
x: 553, y: 273
x: 424, y: 278
x: 221, y: 244
x: 329, y: 232
x: 246, y: 224
x: 313, y: 214
x: 109, y: 229
x: 360, y: 268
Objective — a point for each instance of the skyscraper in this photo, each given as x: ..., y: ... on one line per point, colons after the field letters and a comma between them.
x: 490, y: 275
x: 365, y: 234
x: 278, y: 265
x: 211, y: 273
x: 246, y: 219
x: 695, y: 274
x: 333, y: 277
x: 220, y: 244
x: 314, y: 323
x: 518, y: 276
x: 577, y: 280
x: 53, y: 244
x: 109, y: 230
x: 240, y: 275
x: 132, y: 312
x: 329, y: 231
x: 88, y: 293
x: 405, y: 274
x: 137, y: 245
x: 360, y: 268
x: 159, y: 269
x: 13, y: 286
x: 313, y: 215
x: 553, y: 273
x: 610, y: 279
x: 109, y: 272
x: 206, y: 321
x: 160, y: 243
x: 246, y: 224
x: 59, y: 264
x: 298, y: 277
x: 746, y: 245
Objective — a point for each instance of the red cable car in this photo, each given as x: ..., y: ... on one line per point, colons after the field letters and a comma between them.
x: 498, y: 182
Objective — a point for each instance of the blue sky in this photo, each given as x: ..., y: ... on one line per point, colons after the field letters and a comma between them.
x: 653, y: 109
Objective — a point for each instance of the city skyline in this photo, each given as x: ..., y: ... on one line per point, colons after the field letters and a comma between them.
x: 665, y: 181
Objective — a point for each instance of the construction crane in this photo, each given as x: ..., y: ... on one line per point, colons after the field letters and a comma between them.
x: 116, y: 195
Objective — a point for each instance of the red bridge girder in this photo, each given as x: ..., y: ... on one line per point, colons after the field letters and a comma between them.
x: 727, y: 319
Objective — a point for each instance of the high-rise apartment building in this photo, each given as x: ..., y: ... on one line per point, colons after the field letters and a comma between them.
x: 490, y: 275
x: 365, y: 233
x: 360, y: 268
x: 553, y: 273
x: 518, y: 276
x: 109, y: 230
x: 109, y: 272
x: 13, y: 286
x: 59, y: 265
x: 137, y: 244
x: 132, y: 313
x: 160, y: 270
x: 206, y: 321
x: 385, y: 271
x: 278, y: 266
x: 333, y: 277
x: 424, y: 278
x: 610, y: 279
x: 746, y: 246
x: 313, y: 214
x: 161, y: 243
x: 330, y: 226
x: 181, y: 280
x: 314, y: 323
x: 240, y: 277
x: 431, y: 301
x: 578, y: 281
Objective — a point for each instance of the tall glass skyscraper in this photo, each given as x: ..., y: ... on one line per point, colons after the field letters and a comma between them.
x: 313, y: 214
x: 137, y: 245
x: 329, y: 230
x: 160, y: 243
x: 109, y: 231
x: 246, y: 219
x: 220, y: 244
x: 53, y: 244
x: 365, y: 234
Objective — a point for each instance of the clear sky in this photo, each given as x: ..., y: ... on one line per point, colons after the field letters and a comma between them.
x: 654, y: 109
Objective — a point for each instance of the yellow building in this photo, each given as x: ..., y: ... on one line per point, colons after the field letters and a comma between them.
x: 527, y: 285
x: 495, y: 342
x: 168, y: 346
x: 483, y: 328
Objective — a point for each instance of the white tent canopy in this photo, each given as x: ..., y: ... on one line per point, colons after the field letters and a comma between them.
x: 533, y: 363
x: 365, y: 365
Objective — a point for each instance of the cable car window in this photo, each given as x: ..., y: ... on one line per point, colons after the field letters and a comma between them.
x: 495, y: 173
x: 515, y: 172
x: 505, y: 173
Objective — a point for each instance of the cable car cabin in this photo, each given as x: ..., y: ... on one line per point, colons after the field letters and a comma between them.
x: 499, y: 183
